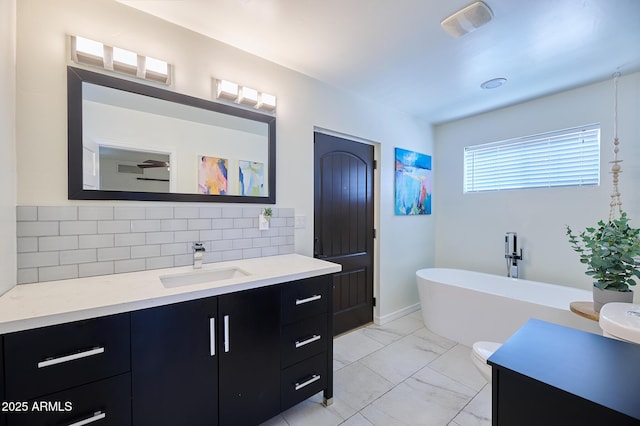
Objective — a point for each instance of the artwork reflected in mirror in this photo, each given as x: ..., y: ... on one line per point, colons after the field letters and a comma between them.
x: 144, y: 143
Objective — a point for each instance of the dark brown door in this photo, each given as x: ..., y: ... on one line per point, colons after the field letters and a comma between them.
x: 343, y: 225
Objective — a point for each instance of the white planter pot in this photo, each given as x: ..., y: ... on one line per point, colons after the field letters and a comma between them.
x: 602, y: 297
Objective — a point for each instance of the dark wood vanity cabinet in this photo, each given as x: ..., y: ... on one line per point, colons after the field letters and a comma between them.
x: 74, y: 373
x: 175, y: 369
x: 233, y: 359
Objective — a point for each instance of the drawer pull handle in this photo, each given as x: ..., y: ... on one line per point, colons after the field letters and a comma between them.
x: 72, y: 357
x: 308, y: 299
x: 226, y: 333
x: 313, y: 378
x: 98, y: 415
x: 212, y: 336
x: 312, y: 339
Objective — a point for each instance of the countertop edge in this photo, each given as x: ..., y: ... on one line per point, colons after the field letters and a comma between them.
x: 82, y: 313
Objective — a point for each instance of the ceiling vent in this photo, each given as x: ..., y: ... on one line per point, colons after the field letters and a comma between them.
x: 468, y: 19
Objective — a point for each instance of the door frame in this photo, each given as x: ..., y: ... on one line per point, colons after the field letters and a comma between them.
x: 376, y: 210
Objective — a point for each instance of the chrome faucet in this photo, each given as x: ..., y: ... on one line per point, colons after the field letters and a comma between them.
x: 198, y: 251
x: 511, y: 254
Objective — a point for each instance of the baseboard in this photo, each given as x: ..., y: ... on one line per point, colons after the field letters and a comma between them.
x: 381, y: 320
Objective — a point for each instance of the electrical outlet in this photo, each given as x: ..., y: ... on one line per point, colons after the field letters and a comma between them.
x: 301, y: 222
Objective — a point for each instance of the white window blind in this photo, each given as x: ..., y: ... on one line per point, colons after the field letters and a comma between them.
x: 568, y: 157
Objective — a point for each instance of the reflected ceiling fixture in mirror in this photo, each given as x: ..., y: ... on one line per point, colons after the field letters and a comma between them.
x: 131, y: 141
x: 90, y: 52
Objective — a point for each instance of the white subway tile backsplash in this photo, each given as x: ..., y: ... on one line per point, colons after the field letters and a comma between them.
x: 60, y: 242
x: 210, y: 212
x: 198, y: 224
x: 147, y: 225
x: 145, y: 251
x: 186, y: 212
x: 133, y: 239
x: 27, y: 244
x: 129, y: 213
x: 159, y: 262
x: 95, y: 213
x: 34, y: 260
x: 24, y: 213
x: 114, y: 226
x: 130, y: 265
x: 36, y: 229
x: 68, y: 242
x: 175, y: 248
x: 114, y: 253
x: 52, y: 273
x: 159, y: 237
x: 159, y: 212
x: 96, y: 241
x: 27, y: 276
x: 57, y: 213
x: 93, y: 269
x: 69, y: 257
x: 84, y: 227
x: 174, y: 224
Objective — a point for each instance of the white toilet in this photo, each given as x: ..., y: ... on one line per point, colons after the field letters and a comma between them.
x: 621, y: 321
x: 481, y: 351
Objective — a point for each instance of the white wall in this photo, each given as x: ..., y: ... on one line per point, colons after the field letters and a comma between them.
x: 470, y: 228
x: 405, y: 243
x: 7, y: 145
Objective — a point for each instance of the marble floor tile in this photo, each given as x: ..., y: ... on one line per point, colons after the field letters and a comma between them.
x: 402, y: 358
x: 456, y: 364
x: 395, y: 330
x: 275, y: 421
x: 357, y: 420
x: 439, y: 341
x: 351, y: 347
x: 312, y: 413
x: 430, y: 399
x: 478, y: 411
x: 357, y: 386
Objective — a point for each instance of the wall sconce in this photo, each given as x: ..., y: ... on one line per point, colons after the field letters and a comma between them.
x: 244, y: 95
x: 90, y: 52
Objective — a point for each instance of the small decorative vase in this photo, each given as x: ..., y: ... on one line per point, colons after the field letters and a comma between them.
x: 602, y: 297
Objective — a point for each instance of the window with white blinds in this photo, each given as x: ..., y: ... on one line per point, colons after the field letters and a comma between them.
x: 568, y: 157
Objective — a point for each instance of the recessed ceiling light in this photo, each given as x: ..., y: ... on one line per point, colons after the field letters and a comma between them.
x: 494, y: 83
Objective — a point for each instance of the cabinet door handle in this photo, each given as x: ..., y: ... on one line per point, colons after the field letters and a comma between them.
x: 313, y: 378
x: 226, y: 333
x: 308, y: 299
x: 98, y: 415
x: 312, y: 339
x: 67, y: 358
x: 212, y: 336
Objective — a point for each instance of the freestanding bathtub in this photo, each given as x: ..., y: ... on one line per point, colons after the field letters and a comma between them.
x: 467, y: 306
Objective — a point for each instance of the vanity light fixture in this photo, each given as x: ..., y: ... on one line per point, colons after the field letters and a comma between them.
x: 228, y: 90
x: 267, y: 102
x: 248, y: 96
x: 90, y: 52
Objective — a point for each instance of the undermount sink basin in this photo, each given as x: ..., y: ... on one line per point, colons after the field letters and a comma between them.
x: 201, y: 277
x: 621, y: 320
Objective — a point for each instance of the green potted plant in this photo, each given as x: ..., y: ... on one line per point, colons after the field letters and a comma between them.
x: 611, y: 252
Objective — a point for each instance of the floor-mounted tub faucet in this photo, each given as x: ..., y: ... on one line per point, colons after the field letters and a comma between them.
x: 198, y: 251
x: 511, y: 254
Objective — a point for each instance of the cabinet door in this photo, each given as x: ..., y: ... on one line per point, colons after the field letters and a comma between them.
x: 174, y: 365
x: 249, y: 356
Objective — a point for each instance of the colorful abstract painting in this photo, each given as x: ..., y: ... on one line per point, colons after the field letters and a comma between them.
x: 413, y: 183
x: 212, y: 175
x: 251, y: 179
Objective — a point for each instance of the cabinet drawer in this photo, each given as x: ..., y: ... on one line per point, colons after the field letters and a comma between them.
x: 303, y: 339
x: 50, y: 359
x: 106, y: 402
x: 305, y: 298
x: 302, y: 380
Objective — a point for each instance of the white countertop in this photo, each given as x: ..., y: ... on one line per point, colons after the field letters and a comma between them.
x: 29, y: 306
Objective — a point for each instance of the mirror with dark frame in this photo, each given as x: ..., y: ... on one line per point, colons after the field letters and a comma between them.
x: 131, y: 141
